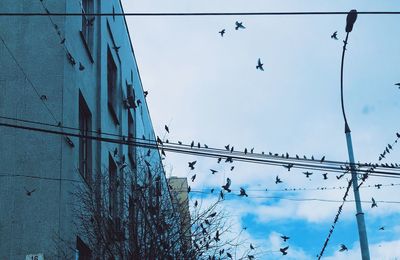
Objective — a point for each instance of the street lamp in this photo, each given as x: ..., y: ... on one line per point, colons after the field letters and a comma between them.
x: 362, y: 232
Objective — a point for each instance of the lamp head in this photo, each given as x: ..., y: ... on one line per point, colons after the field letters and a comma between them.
x: 350, y: 20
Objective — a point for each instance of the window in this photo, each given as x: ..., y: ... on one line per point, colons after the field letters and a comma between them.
x: 87, y: 25
x: 112, y: 89
x: 82, y: 250
x: 85, y: 144
x: 112, y: 188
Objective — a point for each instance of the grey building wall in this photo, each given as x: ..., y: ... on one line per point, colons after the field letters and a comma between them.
x: 39, y: 83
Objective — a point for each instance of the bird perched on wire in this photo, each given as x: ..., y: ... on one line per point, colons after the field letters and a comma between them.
x: 283, y: 250
x: 243, y: 192
x: 277, y: 180
x: 285, y: 238
x: 191, y: 165
x: 322, y: 159
x: 145, y: 93
x: 239, y: 25
x: 227, y: 147
x: 334, y: 35
x: 227, y: 185
x: 259, y: 65
x: 373, y: 205
x: 192, y: 144
x: 222, y: 32
x: 343, y: 248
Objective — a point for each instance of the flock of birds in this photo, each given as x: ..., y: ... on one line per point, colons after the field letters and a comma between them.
x: 226, y: 188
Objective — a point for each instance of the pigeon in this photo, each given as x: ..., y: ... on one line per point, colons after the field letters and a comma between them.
x: 397, y: 84
x: 243, y: 192
x: 252, y: 150
x: 251, y: 247
x: 229, y: 159
x: 115, y: 151
x: 285, y: 238
x: 212, y: 190
x: 29, y: 193
x: 231, y: 149
x: 312, y: 157
x: 229, y: 255
x: 198, y: 145
x: 290, y: 165
x: 233, y: 167
x: 260, y: 65
x: 213, y: 171
x: 307, y: 173
x: 378, y: 186
x: 116, y: 48
x: 382, y: 228
x: 343, y: 248
x: 219, y: 159
x: 373, y: 205
x: 334, y: 35
x: 221, y: 194
x: 191, y: 165
x: 250, y: 256
x: 192, y: 144
x: 205, y: 146
x: 196, y: 203
x: 81, y: 67
x: 148, y: 153
x: 62, y: 41
x: 245, y: 150
x: 277, y: 180
x: 159, y: 140
x: 189, y: 189
x: 162, y: 151
x: 212, y: 215
x: 193, y: 177
x: 325, y: 176
x: 145, y: 93
x: 166, y: 128
x: 239, y: 25
x: 179, y: 142
x: 283, y: 250
x: 207, y: 222
x: 217, y: 236
x: 222, y: 32
x: 227, y: 147
x: 227, y: 185
x: 322, y: 159
x: 43, y: 97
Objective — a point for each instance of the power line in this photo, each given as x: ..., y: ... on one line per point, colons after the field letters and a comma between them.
x: 200, y: 13
x: 202, y: 152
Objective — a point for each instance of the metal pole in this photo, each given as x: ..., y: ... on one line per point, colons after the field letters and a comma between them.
x: 362, y: 232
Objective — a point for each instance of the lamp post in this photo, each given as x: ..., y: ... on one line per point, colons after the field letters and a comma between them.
x: 362, y: 232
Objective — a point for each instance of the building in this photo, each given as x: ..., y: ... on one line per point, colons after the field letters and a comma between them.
x: 71, y: 193
x: 180, y: 198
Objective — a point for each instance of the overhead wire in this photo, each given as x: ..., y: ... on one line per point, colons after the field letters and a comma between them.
x: 261, y: 159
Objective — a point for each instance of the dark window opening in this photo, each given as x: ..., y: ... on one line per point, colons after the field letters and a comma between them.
x: 112, y: 89
x: 85, y: 144
x: 83, y: 251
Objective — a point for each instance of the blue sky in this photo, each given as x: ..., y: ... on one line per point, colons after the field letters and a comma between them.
x: 206, y: 89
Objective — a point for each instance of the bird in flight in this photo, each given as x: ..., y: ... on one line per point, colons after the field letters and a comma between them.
x: 277, y: 180
x: 145, y: 93
x: 397, y: 84
x: 307, y: 173
x: 193, y: 177
x: 343, y: 248
x: 260, y: 65
x: 166, y: 128
x: 222, y: 32
x: 219, y: 159
x: 325, y: 176
x: 233, y: 167
x: 334, y: 35
x: 243, y: 192
x: 191, y: 165
x: 213, y: 171
x: 283, y: 250
x: 285, y: 238
x: 227, y: 185
x: 29, y: 193
x: 239, y: 25
x: 290, y: 165
x: 251, y: 247
x: 382, y: 228
x: 373, y: 205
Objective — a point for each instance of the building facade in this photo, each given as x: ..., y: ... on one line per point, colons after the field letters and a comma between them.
x: 71, y: 100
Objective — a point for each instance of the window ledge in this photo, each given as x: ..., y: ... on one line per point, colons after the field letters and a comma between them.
x: 89, y: 53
